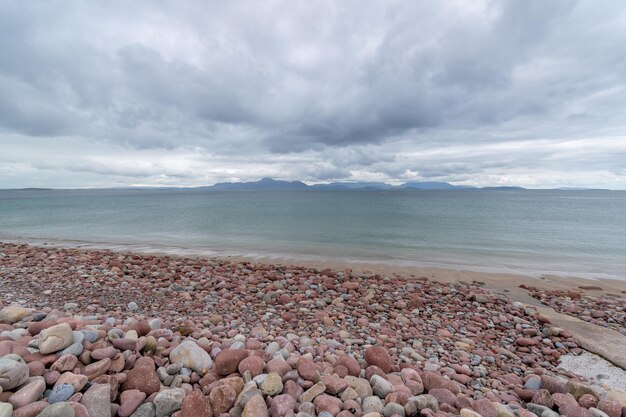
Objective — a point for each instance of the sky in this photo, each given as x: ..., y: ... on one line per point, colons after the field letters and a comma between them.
x: 168, y: 93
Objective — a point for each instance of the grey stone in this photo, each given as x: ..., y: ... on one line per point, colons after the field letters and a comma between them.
x: 74, y: 349
x: 173, y: 368
x: 58, y: 410
x: 168, y: 401
x: 60, y: 392
x: 145, y: 410
x: 6, y: 409
x: 360, y: 385
x: 238, y: 345
x: 272, y: 348
x: 14, y: 334
x: 192, y: 356
x: 13, y: 372
x: 425, y: 401
x: 91, y: 335
x: 533, y: 383
x: 598, y: 413
x: 381, y: 386
x: 307, y: 407
x: 77, y: 337
x: 248, y: 392
x: 503, y: 410
x: 393, y: 409
x: 97, y: 400
x: 541, y: 410
x: 549, y: 413
x: 372, y: 404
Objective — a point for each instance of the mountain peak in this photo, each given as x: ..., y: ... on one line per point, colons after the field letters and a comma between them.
x: 268, y: 183
x: 264, y: 183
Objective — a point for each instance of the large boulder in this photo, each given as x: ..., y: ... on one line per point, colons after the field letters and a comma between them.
x: 55, y: 338
x: 227, y: 361
x: 14, y: 313
x: 13, y: 372
x: 192, y: 356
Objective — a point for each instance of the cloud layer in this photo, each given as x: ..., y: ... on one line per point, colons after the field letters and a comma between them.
x: 155, y: 93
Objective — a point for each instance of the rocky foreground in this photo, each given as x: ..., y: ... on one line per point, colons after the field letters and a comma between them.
x: 607, y: 310
x: 97, y: 333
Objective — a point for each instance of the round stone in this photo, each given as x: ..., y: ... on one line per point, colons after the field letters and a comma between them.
x: 6, y: 409
x: 55, y: 338
x: 60, y: 392
x: 272, y: 384
x: 29, y: 393
x: 129, y: 401
x: 192, y: 356
x: 168, y: 401
x: 228, y: 360
x: 378, y: 356
x: 13, y: 372
x: 252, y: 364
x: 14, y: 313
x: 58, y: 410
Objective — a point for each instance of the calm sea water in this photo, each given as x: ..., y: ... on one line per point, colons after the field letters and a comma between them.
x: 580, y: 233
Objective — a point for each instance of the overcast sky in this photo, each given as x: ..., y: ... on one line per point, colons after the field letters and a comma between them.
x: 96, y: 94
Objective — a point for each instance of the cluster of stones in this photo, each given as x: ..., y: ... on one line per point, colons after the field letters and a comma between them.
x: 94, y: 367
x: 604, y: 309
x: 343, y: 310
x: 212, y: 338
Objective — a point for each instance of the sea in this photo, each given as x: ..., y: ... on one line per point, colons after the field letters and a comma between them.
x: 532, y: 232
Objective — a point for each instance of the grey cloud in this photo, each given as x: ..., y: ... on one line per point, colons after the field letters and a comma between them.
x: 388, y: 90
x: 141, y: 170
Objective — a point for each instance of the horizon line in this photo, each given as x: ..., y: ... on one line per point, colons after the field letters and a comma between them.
x: 365, y: 188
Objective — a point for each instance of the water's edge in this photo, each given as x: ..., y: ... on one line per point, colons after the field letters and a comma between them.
x: 259, y: 256
x: 534, y: 233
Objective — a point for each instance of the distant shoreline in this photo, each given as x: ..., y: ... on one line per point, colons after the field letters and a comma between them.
x: 270, y: 184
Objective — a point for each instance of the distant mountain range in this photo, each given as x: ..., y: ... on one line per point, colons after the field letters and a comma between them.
x: 272, y: 184
x: 262, y: 184
x: 385, y: 186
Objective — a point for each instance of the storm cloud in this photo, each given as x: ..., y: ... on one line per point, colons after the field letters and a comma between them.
x: 520, y: 92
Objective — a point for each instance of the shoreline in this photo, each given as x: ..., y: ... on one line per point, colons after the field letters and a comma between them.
x: 499, y: 280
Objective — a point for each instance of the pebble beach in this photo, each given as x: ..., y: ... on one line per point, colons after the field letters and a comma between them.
x: 95, y: 333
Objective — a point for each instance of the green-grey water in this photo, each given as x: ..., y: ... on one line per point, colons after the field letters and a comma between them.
x: 579, y: 233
